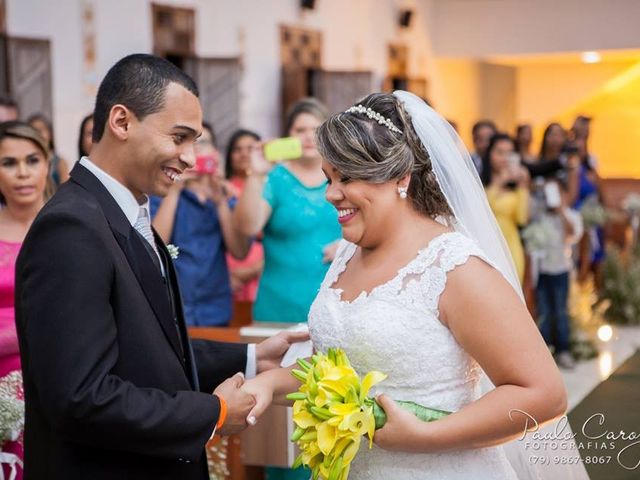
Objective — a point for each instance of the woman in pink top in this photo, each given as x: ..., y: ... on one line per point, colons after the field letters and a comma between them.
x: 244, y: 273
x: 24, y: 167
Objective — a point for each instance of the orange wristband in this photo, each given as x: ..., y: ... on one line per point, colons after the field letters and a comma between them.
x: 223, y: 412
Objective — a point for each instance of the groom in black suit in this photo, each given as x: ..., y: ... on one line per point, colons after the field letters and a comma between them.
x: 114, y: 389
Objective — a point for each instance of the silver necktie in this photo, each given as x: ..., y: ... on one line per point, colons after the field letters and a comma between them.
x: 143, y: 226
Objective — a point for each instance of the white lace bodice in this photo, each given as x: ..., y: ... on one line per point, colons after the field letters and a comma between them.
x: 396, y: 329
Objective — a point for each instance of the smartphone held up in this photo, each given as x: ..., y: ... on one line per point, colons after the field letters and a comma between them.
x: 552, y: 195
x: 206, y: 164
x: 281, y: 149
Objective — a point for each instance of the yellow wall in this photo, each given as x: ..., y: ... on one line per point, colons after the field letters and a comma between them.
x: 544, y: 90
x: 454, y: 90
x: 466, y: 90
x: 608, y: 92
x: 499, y: 94
x: 615, y: 138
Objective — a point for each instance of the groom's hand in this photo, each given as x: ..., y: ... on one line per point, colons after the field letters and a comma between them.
x: 239, y: 404
x: 269, y: 352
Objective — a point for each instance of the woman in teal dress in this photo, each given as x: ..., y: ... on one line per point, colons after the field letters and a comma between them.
x: 301, y: 230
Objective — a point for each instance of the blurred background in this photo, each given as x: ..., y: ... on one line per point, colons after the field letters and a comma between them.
x: 513, y: 61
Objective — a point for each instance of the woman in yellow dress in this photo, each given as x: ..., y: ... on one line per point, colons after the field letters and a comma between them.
x: 507, y: 184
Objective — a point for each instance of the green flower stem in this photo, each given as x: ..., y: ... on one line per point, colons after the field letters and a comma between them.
x: 423, y: 413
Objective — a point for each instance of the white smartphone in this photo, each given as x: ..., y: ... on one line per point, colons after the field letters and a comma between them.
x: 514, y: 161
x: 552, y: 195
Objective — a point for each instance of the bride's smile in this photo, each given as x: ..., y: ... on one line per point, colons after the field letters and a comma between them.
x: 367, y: 211
x: 346, y: 214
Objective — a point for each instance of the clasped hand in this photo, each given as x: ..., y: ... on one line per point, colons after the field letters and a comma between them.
x: 247, y: 400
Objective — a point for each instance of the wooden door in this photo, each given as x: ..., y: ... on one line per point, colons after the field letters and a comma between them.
x: 173, y: 30
x: 218, y: 80
x: 3, y: 16
x: 29, y: 69
x: 294, y: 86
x: 340, y: 90
x: 4, y: 67
x: 300, y: 56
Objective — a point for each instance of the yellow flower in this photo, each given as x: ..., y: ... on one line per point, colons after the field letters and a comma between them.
x: 331, y: 412
x: 355, y: 422
x: 305, y: 419
x: 311, y: 455
x: 326, y: 396
x: 370, y: 425
x: 298, y: 405
x: 370, y: 379
x: 343, y: 409
x: 351, y: 450
x: 327, y: 436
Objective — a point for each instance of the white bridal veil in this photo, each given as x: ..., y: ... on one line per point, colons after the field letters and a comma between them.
x: 460, y: 183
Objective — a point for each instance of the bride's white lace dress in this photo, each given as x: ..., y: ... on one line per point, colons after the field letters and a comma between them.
x: 395, y: 329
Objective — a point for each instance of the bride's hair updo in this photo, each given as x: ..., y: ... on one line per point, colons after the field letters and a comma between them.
x: 360, y: 148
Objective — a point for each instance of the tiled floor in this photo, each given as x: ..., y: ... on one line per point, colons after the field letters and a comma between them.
x: 588, y: 374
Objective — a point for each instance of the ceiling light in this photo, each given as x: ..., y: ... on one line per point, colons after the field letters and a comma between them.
x: 591, y: 57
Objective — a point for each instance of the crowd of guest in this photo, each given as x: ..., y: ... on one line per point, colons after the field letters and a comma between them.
x: 541, y: 195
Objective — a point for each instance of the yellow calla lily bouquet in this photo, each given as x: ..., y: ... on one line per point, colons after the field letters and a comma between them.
x: 332, y: 413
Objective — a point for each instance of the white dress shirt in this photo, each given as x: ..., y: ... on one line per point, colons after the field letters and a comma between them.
x: 130, y: 206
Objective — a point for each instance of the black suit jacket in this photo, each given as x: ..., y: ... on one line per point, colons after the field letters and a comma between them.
x: 111, y: 387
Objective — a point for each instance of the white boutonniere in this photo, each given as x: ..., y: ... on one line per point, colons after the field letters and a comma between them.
x: 174, y: 251
x: 631, y: 204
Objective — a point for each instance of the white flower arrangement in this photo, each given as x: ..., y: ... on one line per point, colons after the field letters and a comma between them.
x: 174, y: 251
x: 631, y: 204
x: 536, y: 236
x: 593, y: 213
x: 11, y: 407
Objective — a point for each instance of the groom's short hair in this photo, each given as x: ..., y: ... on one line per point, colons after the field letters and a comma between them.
x: 138, y: 82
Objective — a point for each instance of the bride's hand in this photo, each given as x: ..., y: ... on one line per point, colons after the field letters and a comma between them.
x: 269, y: 352
x: 262, y: 391
x: 401, y: 432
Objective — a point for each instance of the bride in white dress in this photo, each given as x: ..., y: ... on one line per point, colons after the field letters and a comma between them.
x: 423, y: 289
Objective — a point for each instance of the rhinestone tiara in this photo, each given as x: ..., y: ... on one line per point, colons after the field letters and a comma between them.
x: 373, y: 115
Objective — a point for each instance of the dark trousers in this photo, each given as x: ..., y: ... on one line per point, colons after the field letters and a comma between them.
x: 552, y: 294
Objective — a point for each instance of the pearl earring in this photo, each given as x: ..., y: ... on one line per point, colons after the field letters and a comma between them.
x: 403, y: 192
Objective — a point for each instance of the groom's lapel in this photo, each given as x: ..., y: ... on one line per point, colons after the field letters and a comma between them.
x: 154, y: 288
x: 141, y: 263
x: 172, y: 278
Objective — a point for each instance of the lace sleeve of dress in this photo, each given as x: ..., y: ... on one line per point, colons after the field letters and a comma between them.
x: 454, y: 251
x: 342, y: 248
x: 338, y: 264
